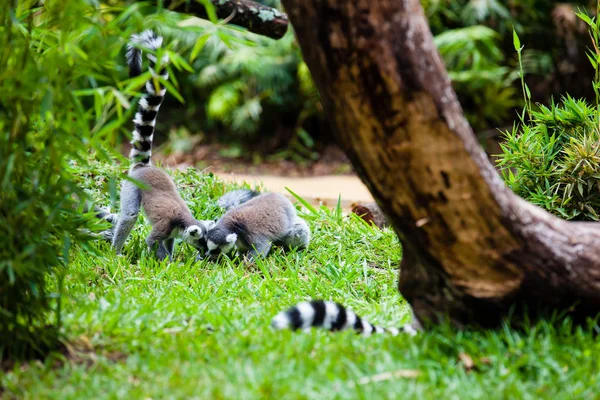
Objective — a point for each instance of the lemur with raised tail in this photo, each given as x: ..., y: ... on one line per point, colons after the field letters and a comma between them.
x: 255, y: 223
x: 334, y: 317
x: 167, y: 212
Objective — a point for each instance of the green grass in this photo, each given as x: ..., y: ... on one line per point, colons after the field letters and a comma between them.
x: 138, y: 328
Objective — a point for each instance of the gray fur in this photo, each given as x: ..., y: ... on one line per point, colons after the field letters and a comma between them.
x: 131, y: 200
x: 109, y: 217
x: 258, y: 224
x: 236, y: 197
x: 102, y: 213
x: 165, y: 209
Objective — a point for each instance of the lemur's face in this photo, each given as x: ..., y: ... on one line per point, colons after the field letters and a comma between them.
x: 195, y: 235
x: 215, y: 248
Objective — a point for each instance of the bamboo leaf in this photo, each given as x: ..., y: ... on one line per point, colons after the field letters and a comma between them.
x: 516, y: 41
x: 198, y: 46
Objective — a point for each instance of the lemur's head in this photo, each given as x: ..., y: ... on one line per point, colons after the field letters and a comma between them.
x: 195, y: 235
x: 220, y: 241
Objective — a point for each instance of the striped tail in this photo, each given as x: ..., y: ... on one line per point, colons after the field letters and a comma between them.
x: 331, y: 316
x: 145, y: 118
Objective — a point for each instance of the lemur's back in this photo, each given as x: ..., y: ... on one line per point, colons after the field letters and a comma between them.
x: 267, y: 213
x: 161, y: 197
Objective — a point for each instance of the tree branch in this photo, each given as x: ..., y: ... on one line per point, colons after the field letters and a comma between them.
x: 253, y: 16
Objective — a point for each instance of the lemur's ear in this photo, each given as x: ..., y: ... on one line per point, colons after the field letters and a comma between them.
x: 231, y: 238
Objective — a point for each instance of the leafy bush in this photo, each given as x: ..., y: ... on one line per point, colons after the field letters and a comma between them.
x: 554, y: 161
x: 476, y: 66
x: 553, y: 158
x: 62, y: 97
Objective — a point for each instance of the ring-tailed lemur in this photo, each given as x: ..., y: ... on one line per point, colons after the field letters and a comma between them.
x: 256, y: 224
x: 334, y: 317
x: 169, y: 215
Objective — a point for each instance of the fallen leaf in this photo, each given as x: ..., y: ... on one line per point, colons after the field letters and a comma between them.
x: 467, y: 361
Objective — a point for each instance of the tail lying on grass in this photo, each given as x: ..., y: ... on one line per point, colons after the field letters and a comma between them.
x: 145, y: 119
x: 331, y: 316
x: 236, y: 197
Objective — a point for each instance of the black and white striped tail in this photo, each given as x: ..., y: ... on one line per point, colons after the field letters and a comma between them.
x: 331, y: 316
x: 145, y: 118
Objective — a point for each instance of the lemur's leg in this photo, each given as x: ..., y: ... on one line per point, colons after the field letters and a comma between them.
x: 162, y: 252
x: 260, y: 248
x: 298, y: 236
x: 170, y: 246
x: 131, y: 200
x: 156, y: 240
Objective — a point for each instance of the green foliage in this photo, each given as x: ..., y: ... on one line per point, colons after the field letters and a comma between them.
x: 256, y: 94
x: 476, y: 38
x: 63, y: 95
x: 252, y: 90
x: 552, y: 159
x: 476, y: 67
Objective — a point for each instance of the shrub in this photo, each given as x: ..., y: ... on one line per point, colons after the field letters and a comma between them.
x: 479, y: 32
x: 552, y: 158
x: 62, y: 97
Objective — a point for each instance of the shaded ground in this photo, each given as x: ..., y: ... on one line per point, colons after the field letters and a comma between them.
x: 332, y: 161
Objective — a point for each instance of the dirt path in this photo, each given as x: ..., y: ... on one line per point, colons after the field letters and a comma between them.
x: 317, y: 190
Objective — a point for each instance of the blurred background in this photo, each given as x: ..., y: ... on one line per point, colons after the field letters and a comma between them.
x: 252, y: 112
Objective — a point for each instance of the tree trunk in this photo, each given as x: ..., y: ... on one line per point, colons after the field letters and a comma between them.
x: 253, y: 16
x: 471, y: 248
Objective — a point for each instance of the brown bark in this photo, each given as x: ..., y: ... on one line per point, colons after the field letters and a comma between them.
x: 471, y: 248
x: 253, y: 16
